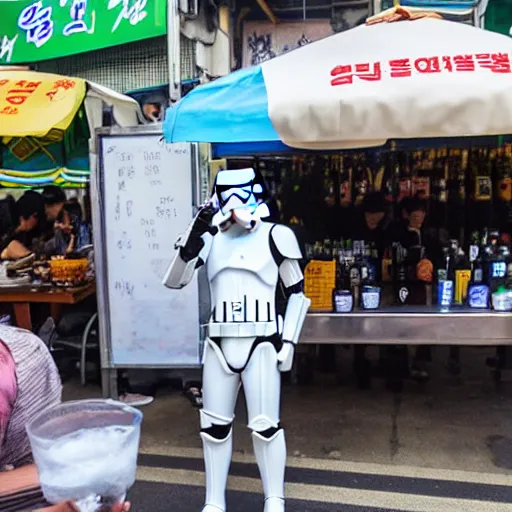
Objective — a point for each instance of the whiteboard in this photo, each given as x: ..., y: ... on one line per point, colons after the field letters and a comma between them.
x: 147, y: 201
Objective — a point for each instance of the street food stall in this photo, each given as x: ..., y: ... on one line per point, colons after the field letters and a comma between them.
x: 46, y: 122
x: 418, y: 108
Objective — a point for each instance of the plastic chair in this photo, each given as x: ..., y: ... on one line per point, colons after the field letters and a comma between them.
x: 86, y: 342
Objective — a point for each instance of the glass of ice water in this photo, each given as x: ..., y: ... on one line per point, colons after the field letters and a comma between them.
x: 86, y: 452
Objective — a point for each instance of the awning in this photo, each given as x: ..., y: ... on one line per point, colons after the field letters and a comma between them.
x: 26, y: 179
x: 427, y: 78
x: 33, y: 104
x: 46, y: 121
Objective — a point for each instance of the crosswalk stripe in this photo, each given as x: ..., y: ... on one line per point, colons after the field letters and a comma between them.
x: 332, y: 495
x: 356, y: 467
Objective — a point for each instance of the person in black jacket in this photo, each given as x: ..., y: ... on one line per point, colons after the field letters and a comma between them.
x: 17, y: 243
x: 373, y: 225
x: 411, y: 233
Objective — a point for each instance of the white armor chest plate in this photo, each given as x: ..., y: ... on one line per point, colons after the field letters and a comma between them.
x: 243, y: 278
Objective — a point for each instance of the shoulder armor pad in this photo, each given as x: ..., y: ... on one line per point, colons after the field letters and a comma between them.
x: 286, y: 242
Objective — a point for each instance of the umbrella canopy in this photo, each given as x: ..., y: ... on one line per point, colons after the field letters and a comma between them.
x: 32, y: 104
x: 45, y: 125
x: 359, y: 88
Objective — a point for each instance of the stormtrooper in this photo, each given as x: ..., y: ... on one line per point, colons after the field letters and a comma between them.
x: 248, y: 342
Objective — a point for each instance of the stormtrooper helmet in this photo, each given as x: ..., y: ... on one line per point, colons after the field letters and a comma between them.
x: 240, y: 195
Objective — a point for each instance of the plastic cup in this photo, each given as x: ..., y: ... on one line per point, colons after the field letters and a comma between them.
x: 86, y: 451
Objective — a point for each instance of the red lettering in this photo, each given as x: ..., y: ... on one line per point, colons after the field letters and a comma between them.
x: 496, y: 62
x: 400, y: 68
x: 343, y: 75
x: 3, y: 82
x: 16, y: 100
x: 464, y: 63
x: 64, y: 84
x: 447, y: 63
x: 364, y: 73
x: 9, y: 111
x: 20, y: 95
x: 427, y: 65
x: 51, y: 94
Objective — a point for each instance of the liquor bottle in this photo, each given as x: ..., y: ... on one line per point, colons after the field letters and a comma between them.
x: 474, y: 248
x: 440, y: 177
x: 363, y: 182
x: 364, y: 264
x: 327, y: 249
x: 499, y: 266
x: 445, y: 279
x: 404, y: 179
x: 387, y: 264
x: 462, y: 271
x: 373, y: 263
x: 355, y: 274
x: 349, y: 252
x: 478, y: 291
x: 400, y: 284
x: 343, y: 300
x: 345, y: 177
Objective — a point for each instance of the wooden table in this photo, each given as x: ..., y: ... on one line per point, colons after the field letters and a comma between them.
x: 22, y: 296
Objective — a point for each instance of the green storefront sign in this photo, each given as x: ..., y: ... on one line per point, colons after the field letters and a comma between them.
x: 32, y: 31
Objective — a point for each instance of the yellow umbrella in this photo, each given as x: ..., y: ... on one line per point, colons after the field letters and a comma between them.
x: 33, y: 104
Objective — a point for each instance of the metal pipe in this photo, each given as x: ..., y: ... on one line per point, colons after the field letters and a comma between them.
x: 268, y: 11
x: 174, y: 49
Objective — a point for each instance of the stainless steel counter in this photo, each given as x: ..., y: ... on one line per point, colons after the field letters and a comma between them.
x: 410, y: 326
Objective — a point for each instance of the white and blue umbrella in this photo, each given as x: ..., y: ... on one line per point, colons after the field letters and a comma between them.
x: 427, y: 78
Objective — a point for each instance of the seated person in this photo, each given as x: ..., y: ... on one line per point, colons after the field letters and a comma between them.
x: 29, y: 384
x: 54, y: 200
x: 7, y: 215
x: 61, y: 224
x: 18, y: 242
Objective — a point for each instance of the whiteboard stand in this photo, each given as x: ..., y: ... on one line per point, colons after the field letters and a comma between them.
x: 144, y: 193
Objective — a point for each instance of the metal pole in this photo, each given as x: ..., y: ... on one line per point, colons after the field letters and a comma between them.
x: 173, y: 49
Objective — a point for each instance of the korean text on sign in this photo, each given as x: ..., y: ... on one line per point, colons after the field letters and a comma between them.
x: 16, y: 94
x: 402, y: 68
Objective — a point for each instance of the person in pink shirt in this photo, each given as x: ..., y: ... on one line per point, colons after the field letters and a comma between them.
x: 29, y: 384
x: 8, y: 388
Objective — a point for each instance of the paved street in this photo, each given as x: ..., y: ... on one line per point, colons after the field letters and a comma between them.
x: 442, y: 446
x: 175, y: 483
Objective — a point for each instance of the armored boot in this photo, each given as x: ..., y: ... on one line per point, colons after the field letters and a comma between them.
x: 217, y: 459
x: 271, y: 458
